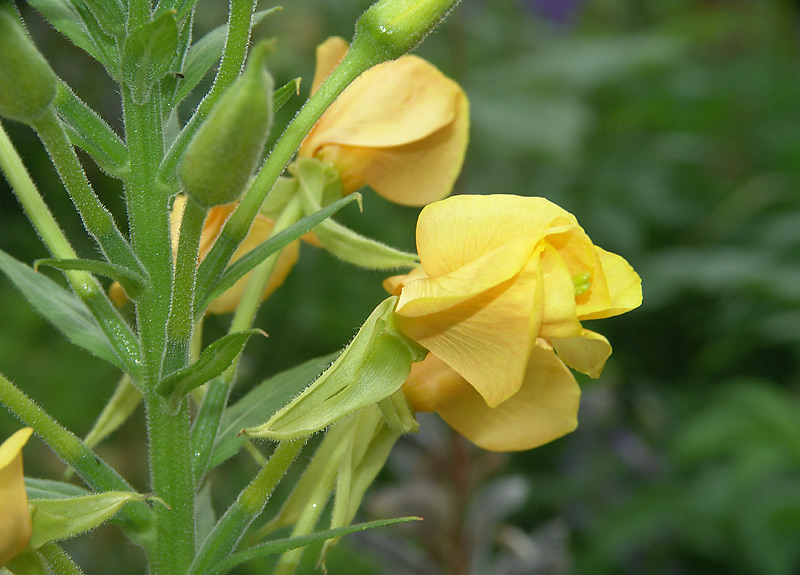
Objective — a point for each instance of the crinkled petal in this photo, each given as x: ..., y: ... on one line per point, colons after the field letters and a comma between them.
x: 586, y: 353
x: 15, y: 519
x: 414, y: 174
x: 329, y: 54
x: 623, y: 284
x: 558, y: 314
x: 394, y: 284
x: 461, y: 229
x: 545, y: 407
x: 486, y: 338
x: 391, y: 104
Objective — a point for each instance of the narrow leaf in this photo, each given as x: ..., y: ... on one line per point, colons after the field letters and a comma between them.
x: 63, y: 17
x: 131, y: 281
x: 57, y: 519
x: 109, y: 14
x: 249, y: 261
x: 204, y: 53
x: 50, y: 489
x: 214, y: 359
x: 148, y: 54
x: 59, y: 307
x: 282, y: 94
x: 281, y: 545
x: 261, y: 402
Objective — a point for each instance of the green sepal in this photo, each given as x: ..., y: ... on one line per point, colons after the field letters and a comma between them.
x: 203, y: 53
x: 262, y: 401
x: 258, y: 254
x: 319, y: 181
x: 60, y: 307
x: 225, y: 150
x: 87, y: 130
x: 284, y: 93
x: 282, y: 545
x: 132, y: 282
x: 371, y: 368
x: 27, y: 83
x: 398, y: 414
x: 58, y: 519
x: 51, y: 489
x: 26, y: 563
x: 148, y: 54
x: 214, y: 360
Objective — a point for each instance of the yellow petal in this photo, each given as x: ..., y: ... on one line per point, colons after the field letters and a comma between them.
x: 545, y: 407
x: 623, y: 284
x: 485, y: 338
x: 394, y: 284
x: 329, y: 54
x: 558, y: 314
x: 586, y: 353
x: 461, y: 229
x: 15, y: 520
x: 259, y: 232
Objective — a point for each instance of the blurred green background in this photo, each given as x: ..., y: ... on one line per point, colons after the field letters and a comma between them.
x: 671, y: 129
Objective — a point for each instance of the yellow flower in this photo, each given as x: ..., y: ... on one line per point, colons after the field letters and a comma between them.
x: 402, y: 128
x: 503, y: 287
x: 15, y: 519
x: 259, y: 232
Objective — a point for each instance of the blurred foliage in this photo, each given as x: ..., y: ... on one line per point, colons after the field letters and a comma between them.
x: 671, y: 129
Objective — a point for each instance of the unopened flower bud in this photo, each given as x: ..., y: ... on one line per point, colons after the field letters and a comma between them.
x: 27, y: 84
x: 226, y: 149
x: 394, y: 27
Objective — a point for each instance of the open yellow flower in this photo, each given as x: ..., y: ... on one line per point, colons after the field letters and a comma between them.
x: 15, y: 519
x: 259, y: 232
x: 402, y: 128
x: 504, y: 284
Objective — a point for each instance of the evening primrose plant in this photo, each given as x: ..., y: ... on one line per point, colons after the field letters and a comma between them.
x: 480, y: 327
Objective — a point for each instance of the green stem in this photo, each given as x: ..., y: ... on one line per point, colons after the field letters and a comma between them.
x: 180, y: 325
x: 58, y: 561
x: 92, y: 469
x: 237, y: 226
x: 251, y: 501
x: 97, y: 220
x: 83, y: 284
x: 208, y: 419
x: 233, y: 57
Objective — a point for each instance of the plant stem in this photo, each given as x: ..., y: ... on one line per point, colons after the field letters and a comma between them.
x: 251, y: 501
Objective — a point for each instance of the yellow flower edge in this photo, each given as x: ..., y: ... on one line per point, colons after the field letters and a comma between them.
x: 15, y: 519
x: 402, y: 128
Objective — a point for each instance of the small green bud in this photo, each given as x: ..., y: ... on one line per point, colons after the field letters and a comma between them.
x: 394, y: 27
x: 226, y: 149
x: 27, y: 84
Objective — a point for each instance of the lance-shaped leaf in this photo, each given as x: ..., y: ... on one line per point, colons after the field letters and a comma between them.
x: 148, y: 54
x: 132, y: 282
x: 371, y: 368
x: 282, y: 94
x: 202, y: 55
x: 261, y: 402
x: 214, y: 359
x: 283, y: 545
x: 59, y: 307
x: 51, y: 489
x: 109, y: 15
x: 64, y: 18
x: 58, y: 519
x: 249, y: 261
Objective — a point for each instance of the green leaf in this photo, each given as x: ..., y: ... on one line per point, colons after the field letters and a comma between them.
x: 371, y: 368
x: 260, y: 403
x: 132, y: 282
x: 60, y: 307
x: 204, y: 53
x: 50, y: 489
x: 281, y: 545
x: 64, y: 18
x: 246, y: 263
x: 109, y: 14
x: 57, y: 519
x: 148, y: 54
x: 282, y: 94
x: 214, y: 360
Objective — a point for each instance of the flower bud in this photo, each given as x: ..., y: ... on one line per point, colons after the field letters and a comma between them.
x: 27, y: 84
x: 394, y: 27
x: 226, y: 149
